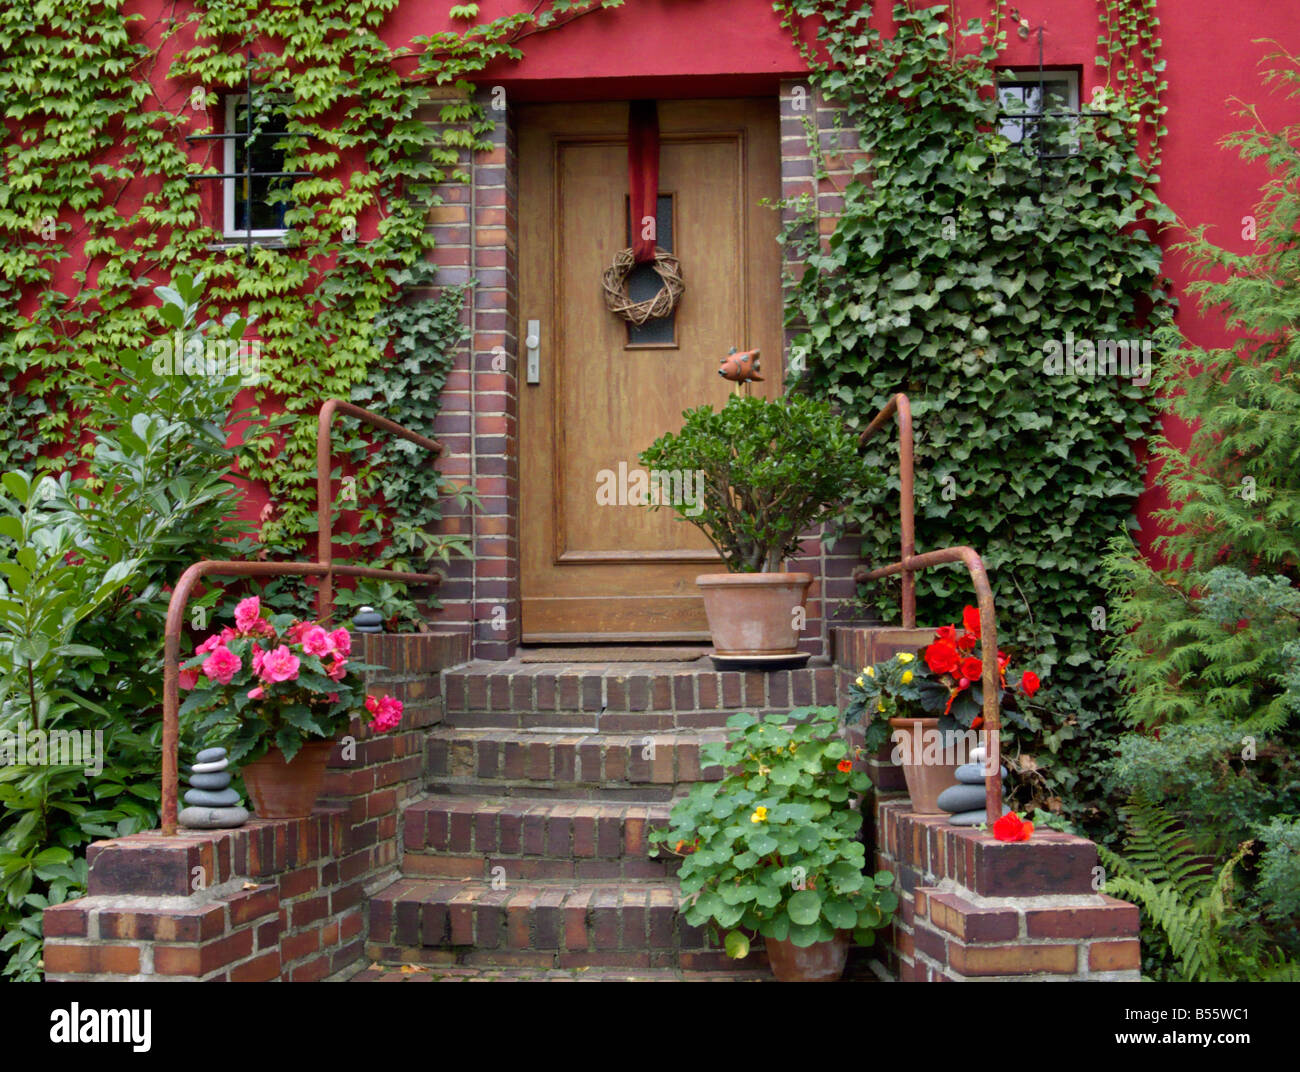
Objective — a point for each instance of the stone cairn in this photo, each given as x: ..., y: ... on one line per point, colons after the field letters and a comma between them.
x: 212, y: 804
x: 964, y: 801
x: 368, y: 620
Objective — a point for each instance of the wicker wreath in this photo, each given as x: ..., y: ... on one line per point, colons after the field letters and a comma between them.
x: 666, y: 267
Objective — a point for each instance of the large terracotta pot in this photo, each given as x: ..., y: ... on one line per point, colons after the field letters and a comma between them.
x: 281, y: 790
x: 821, y: 962
x: 925, y: 781
x: 753, y: 613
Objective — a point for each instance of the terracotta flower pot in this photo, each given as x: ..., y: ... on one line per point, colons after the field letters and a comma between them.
x: 281, y: 790
x: 752, y: 614
x: 925, y: 781
x: 821, y: 962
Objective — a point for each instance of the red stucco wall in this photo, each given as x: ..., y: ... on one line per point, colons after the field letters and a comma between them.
x: 665, y: 48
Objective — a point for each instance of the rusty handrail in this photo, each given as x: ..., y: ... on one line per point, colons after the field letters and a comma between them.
x: 324, y: 520
x: 900, y: 405
x: 910, y: 562
x: 324, y: 568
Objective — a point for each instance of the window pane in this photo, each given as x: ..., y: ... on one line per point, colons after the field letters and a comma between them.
x: 1026, y: 98
x: 644, y: 283
x: 269, y: 196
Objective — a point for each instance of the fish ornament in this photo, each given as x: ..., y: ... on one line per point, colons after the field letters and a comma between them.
x: 740, y: 367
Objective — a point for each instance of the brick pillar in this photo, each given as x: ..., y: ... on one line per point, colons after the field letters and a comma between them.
x: 475, y: 227
x: 496, y: 390
x: 972, y: 907
x: 277, y: 898
x: 816, y: 180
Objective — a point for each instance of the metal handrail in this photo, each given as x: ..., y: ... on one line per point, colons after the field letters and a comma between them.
x: 910, y: 562
x: 324, y: 567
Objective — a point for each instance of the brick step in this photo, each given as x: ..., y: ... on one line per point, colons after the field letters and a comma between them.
x: 586, y: 765
x: 455, y: 973
x: 540, y: 925
x: 594, y: 721
x: 471, y: 837
x: 648, y: 696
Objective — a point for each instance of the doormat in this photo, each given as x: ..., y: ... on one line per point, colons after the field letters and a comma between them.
x: 626, y: 653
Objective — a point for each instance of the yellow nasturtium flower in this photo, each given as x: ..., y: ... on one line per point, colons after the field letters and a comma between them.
x: 793, y: 745
x: 759, y: 816
x: 764, y: 770
x: 905, y: 657
x: 906, y: 679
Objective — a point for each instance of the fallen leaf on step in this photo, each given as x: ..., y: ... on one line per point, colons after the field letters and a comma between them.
x: 249, y: 886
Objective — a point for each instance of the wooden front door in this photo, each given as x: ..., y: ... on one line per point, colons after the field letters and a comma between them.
x: 605, y: 392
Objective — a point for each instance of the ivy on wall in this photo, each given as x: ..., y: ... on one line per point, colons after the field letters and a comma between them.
x: 95, y: 160
x: 959, y: 265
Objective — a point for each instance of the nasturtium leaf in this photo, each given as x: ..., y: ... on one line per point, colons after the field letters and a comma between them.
x: 805, y: 907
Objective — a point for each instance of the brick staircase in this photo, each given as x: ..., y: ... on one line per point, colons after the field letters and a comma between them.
x: 544, y: 781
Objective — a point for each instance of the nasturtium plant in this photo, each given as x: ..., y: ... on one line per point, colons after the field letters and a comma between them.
x: 773, y: 848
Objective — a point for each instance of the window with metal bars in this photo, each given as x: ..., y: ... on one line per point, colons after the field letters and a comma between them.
x: 254, y: 200
x: 1039, y: 109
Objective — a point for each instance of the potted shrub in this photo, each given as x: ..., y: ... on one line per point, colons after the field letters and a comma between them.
x: 276, y: 691
x: 768, y: 472
x: 927, y: 703
x: 773, y: 850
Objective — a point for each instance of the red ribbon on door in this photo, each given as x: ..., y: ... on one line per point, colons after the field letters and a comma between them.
x: 643, y: 177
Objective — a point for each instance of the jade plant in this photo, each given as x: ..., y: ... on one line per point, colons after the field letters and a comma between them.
x: 773, y: 848
x: 768, y: 472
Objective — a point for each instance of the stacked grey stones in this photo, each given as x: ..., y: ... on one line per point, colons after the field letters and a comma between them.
x: 368, y: 620
x: 965, y: 801
x: 212, y: 804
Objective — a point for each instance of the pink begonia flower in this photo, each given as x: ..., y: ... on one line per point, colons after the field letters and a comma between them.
x: 315, y: 641
x: 296, y: 631
x: 221, y: 665
x: 257, y: 693
x: 247, y: 613
x: 258, y: 655
x: 387, y: 711
x: 338, y: 669
x: 279, y: 665
x: 215, y: 641
x: 333, y: 697
x: 342, y: 641
x: 189, y: 678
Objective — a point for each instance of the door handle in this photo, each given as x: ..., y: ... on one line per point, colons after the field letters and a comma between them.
x: 532, y: 344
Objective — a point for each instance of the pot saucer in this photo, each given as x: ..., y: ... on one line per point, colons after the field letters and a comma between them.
x: 794, y: 661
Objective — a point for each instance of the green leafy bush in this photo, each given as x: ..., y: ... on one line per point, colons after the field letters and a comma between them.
x: 771, y: 471
x: 1195, y: 909
x: 86, y: 564
x: 773, y: 848
x: 957, y: 260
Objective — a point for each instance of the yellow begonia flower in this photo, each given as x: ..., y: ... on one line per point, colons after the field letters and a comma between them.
x: 880, y: 706
x: 759, y: 816
x: 859, y: 681
x: 906, y: 679
x: 905, y: 657
x: 870, y: 671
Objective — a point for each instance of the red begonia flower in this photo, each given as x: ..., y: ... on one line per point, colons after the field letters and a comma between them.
x: 1012, y: 828
x: 941, y: 657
